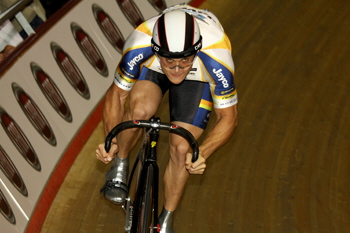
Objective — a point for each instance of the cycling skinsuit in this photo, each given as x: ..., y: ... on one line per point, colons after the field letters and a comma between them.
x: 210, y: 82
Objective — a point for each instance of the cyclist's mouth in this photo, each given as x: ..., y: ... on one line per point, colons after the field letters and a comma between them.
x: 176, y: 78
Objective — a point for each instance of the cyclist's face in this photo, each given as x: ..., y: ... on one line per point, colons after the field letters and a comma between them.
x: 176, y: 69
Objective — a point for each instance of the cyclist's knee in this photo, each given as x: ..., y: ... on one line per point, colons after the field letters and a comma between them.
x: 139, y: 113
x: 178, y: 150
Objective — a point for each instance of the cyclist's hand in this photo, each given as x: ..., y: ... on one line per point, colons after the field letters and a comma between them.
x: 105, y: 157
x: 197, y: 167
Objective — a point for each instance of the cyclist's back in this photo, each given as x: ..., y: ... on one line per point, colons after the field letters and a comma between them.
x: 213, y: 63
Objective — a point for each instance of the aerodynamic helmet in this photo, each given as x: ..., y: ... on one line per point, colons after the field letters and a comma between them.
x: 176, y: 34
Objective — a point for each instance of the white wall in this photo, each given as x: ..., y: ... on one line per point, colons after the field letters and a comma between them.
x: 13, y: 117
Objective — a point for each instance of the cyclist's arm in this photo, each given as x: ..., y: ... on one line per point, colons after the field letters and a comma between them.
x: 226, y: 122
x: 137, y: 50
x: 113, y: 112
x: 113, y: 109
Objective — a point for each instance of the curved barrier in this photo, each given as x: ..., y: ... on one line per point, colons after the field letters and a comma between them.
x: 50, y: 92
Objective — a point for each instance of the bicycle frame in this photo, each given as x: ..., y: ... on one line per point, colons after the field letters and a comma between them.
x: 147, y: 156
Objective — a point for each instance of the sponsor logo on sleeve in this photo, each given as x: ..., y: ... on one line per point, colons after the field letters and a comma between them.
x: 227, y: 91
x: 134, y: 61
x: 221, y: 77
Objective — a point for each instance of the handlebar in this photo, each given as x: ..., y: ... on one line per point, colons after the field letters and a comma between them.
x: 154, y: 125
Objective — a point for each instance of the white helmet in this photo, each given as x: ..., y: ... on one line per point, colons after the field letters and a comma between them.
x: 176, y: 34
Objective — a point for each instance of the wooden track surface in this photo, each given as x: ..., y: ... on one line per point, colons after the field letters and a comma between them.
x: 286, y: 169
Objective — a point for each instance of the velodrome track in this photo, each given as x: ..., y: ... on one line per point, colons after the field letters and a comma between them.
x: 286, y: 169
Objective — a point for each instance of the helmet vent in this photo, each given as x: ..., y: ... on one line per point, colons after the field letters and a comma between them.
x: 176, y: 34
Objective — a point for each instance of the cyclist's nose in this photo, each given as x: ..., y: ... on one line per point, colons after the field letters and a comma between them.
x: 177, y: 69
x: 177, y: 63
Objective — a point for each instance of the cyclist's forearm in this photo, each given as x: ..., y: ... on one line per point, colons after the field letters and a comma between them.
x: 113, y: 109
x: 219, y: 134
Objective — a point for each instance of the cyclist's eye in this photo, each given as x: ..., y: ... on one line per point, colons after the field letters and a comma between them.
x: 185, y: 61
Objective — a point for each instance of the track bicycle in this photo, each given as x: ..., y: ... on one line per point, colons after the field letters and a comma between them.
x: 142, y: 210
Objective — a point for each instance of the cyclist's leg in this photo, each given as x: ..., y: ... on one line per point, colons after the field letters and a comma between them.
x: 144, y: 101
x: 145, y: 98
x: 176, y: 174
x: 190, y: 106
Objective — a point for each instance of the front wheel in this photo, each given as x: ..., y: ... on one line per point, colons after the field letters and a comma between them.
x: 145, y: 214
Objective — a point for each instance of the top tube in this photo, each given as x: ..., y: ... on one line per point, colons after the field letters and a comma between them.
x: 154, y: 125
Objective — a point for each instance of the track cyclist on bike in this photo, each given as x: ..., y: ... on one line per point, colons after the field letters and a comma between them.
x: 186, y: 52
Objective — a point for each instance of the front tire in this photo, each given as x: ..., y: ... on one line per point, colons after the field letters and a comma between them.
x: 143, y: 219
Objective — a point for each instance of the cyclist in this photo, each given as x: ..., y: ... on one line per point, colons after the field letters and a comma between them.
x: 183, y: 50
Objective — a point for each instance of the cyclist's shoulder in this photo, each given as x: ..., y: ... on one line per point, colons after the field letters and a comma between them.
x: 216, y: 57
x: 140, y: 37
x: 137, y: 47
x: 216, y: 68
